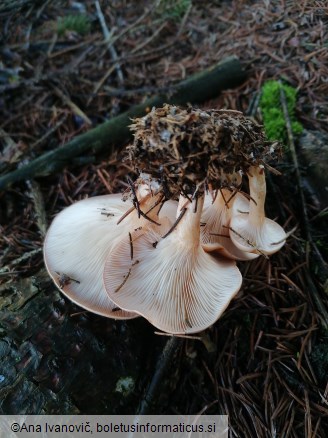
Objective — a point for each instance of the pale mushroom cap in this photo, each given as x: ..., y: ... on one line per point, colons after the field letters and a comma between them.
x: 268, y: 238
x: 175, y: 284
x: 76, y: 246
x: 216, y: 219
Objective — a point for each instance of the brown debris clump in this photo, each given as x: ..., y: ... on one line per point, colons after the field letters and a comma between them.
x: 185, y: 148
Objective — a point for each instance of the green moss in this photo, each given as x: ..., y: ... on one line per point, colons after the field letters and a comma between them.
x: 272, y: 112
x: 76, y: 23
x: 174, y: 9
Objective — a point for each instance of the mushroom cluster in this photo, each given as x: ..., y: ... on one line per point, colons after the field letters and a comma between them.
x: 167, y: 249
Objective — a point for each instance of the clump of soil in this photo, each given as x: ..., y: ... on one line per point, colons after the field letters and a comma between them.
x: 186, y: 148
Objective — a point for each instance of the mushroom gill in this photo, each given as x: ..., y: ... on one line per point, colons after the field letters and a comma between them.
x: 171, y: 280
x: 216, y: 219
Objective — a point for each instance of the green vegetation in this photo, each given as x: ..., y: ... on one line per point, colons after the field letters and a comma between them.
x: 273, y: 116
x: 174, y: 9
x: 76, y: 23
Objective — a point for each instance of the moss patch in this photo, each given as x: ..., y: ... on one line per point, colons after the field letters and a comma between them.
x: 76, y: 23
x: 174, y: 9
x: 272, y: 112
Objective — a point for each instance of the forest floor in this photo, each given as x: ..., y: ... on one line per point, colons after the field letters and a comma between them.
x: 61, y: 75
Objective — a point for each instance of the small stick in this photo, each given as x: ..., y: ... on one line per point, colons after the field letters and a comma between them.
x: 125, y: 215
x: 135, y: 198
x: 49, y: 132
x: 25, y: 256
x: 148, y: 218
x: 234, y: 193
x: 110, y: 45
x: 136, y: 204
x: 131, y: 246
x: 291, y: 144
x: 159, y: 201
x: 220, y: 235
x: 197, y: 338
x: 148, y: 40
x: 38, y: 202
x: 76, y: 110
x: 171, y: 346
x: 182, y: 212
x: 124, y: 281
x: 224, y: 199
x: 247, y: 241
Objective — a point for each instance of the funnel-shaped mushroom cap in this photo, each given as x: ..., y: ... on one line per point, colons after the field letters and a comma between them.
x: 172, y: 281
x: 76, y: 246
x: 216, y: 219
x: 253, y: 232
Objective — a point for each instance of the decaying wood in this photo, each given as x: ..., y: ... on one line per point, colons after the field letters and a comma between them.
x: 114, y: 133
x: 48, y: 348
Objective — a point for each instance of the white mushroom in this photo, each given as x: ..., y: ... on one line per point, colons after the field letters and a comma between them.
x: 216, y: 219
x: 79, y: 239
x: 253, y: 232
x: 172, y: 281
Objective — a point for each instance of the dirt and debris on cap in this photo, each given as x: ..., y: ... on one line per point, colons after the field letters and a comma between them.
x: 185, y: 147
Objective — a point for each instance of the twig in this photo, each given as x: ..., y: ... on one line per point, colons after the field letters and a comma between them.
x: 111, y: 48
x: 76, y: 110
x: 148, y: 40
x: 100, y: 83
x: 49, y: 132
x: 198, y: 88
x: 139, y: 20
x: 39, y: 207
x: 292, y: 148
x: 25, y: 256
x: 182, y: 213
x: 171, y: 346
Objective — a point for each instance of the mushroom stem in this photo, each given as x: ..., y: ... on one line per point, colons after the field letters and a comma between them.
x: 190, y: 223
x: 257, y: 188
x: 254, y: 232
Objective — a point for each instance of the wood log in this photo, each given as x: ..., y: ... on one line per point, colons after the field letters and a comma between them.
x: 113, y: 134
x: 56, y: 358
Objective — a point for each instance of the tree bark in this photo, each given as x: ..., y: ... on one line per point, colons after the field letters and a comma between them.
x: 113, y: 134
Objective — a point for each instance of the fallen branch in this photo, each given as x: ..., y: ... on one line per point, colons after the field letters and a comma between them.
x: 114, y: 133
x: 291, y: 144
x: 111, y: 48
x: 171, y: 347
